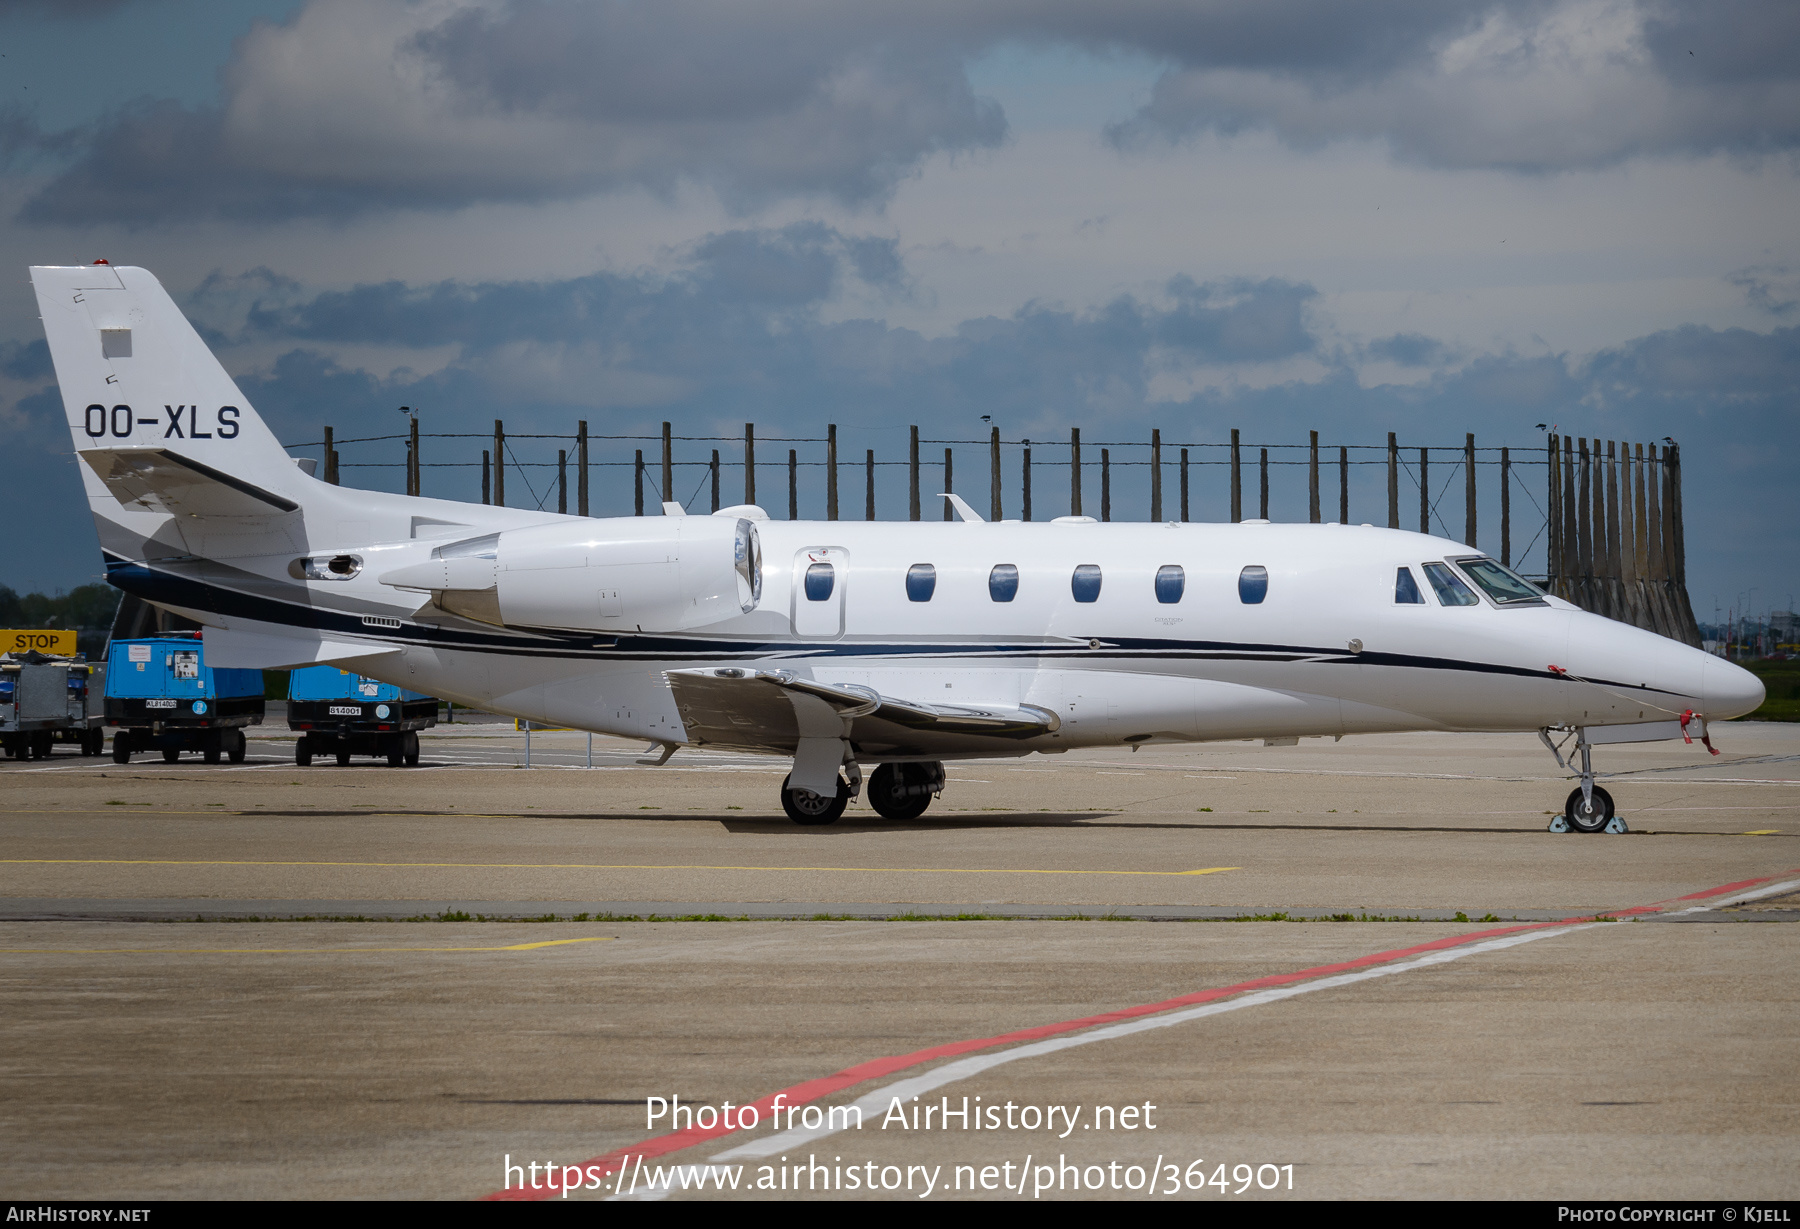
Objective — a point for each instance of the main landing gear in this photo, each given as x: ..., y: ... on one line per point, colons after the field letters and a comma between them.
x: 896, y: 791
x: 1589, y: 808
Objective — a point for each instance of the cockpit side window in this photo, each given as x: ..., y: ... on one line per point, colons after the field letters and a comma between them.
x: 1501, y: 583
x: 1449, y: 589
x: 1406, y: 589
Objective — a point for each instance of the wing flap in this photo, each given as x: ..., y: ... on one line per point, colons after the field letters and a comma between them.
x: 756, y: 710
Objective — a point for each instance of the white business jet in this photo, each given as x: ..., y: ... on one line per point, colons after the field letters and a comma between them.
x: 895, y: 646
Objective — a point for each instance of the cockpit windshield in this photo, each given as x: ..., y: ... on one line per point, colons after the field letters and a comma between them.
x: 1501, y: 583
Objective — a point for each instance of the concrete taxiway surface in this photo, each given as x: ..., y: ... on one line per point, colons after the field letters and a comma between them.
x: 1628, y: 1059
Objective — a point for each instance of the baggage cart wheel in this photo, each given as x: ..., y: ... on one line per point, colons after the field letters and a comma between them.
x: 411, y: 741
x: 171, y: 754
x: 122, y: 747
x: 303, y: 751
x: 40, y: 744
x: 96, y: 742
x: 343, y: 756
x: 396, y: 750
x: 237, y: 745
x: 214, y: 747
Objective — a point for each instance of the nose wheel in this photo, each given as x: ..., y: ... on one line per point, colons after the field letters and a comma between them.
x: 1589, y: 808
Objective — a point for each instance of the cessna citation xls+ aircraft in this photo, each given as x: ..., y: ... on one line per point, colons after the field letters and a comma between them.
x: 895, y: 646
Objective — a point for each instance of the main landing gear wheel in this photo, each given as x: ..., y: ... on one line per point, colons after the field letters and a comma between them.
x: 805, y: 807
x: 1584, y: 816
x: 901, y: 791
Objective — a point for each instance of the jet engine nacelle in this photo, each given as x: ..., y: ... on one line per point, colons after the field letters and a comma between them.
x: 628, y: 574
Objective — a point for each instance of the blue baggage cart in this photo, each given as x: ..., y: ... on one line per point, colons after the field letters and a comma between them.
x: 162, y: 696
x: 343, y: 714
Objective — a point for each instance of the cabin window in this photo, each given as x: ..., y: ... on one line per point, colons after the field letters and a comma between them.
x: 819, y: 579
x: 1085, y: 583
x: 1450, y: 591
x: 1170, y: 581
x: 1253, y: 585
x: 921, y: 579
x: 1003, y: 582
x: 1502, y: 584
x: 1406, y: 589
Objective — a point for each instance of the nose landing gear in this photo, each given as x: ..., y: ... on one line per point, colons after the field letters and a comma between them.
x: 1589, y: 808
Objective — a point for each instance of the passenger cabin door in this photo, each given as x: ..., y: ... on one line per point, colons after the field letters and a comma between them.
x: 821, y: 574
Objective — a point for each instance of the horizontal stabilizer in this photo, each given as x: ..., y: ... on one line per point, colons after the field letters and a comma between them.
x: 162, y: 480
x: 756, y: 709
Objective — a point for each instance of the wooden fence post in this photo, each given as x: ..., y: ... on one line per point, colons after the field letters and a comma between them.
x: 562, y: 481
x: 1106, y: 484
x: 912, y: 476
x: 793, y: 485
x: 995, y: 510
x: 715, y: 480
x: 485, y: 479
x: 1343, y: 486
x: 1025, y: 483
x: 581, y: 470
x: 1424, y: 490
x: 750, y: 463
x: 1263, y: 503
x: 499, y: 464
x: 869, y: 492
x: 1312, y: 479
x: 831, y: 475
x: 1393, y: 482
x: 331, y: 460
x: 1184, y: 486
x: 1155, y: 475
x: 637, y: 484
x: 1237, y: 480
x: 1074, y: 471
x: 1469, y: 487
x: 1505, y: 507
x: 668, y: 466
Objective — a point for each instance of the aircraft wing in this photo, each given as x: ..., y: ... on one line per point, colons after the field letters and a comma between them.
x: 767, y: 710
x: 159, y: 479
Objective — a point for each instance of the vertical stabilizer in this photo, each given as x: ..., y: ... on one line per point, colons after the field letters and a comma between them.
x: 135, y: 374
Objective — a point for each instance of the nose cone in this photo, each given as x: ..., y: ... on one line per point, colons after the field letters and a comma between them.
x: 1729, y: 691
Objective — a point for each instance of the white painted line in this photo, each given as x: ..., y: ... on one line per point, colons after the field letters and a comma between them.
x: 1740, y: 898
x: 877, y: 1102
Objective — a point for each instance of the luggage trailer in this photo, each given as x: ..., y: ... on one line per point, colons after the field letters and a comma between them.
x: 343, y: 714
x: 45, y: 700
x: 162, y: 696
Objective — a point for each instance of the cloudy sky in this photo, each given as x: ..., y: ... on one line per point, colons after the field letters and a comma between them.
x: 1421, y: 216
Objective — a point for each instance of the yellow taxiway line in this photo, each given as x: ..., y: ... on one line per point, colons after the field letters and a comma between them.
x: 598, y: 866
x: 270, y: 951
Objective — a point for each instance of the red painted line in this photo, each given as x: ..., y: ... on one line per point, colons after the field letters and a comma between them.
x: 823, y: 1086
x: 1732, y: 887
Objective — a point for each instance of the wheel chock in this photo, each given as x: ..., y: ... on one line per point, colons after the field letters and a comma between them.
x: 1559, y: 824
x: 1615, y: 827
